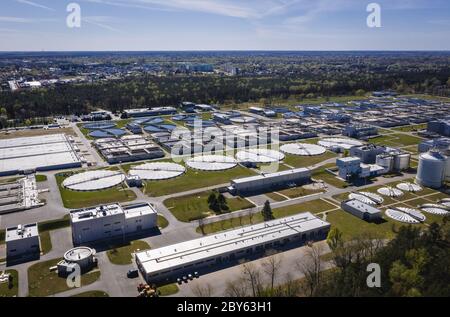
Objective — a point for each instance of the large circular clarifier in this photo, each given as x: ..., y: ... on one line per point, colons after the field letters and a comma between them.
x: 212, y: 162
x: 93, y: 180
x: 303, y: 149
x: 157, y: 171
x: 259, y: 156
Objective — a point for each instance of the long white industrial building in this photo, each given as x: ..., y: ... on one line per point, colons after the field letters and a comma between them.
x: 95, y: 224
x: 40, y: 153
x: 271, y: 181
x: 170, y: 262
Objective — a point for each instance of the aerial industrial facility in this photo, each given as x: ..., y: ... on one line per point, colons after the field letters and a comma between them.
x: 173, y: 261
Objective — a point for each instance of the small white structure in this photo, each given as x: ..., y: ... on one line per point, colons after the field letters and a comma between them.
x: 436, y: 209
x: 94, y: 224
x: 22, y: 241
x: 361, y: 210
x: 409, y: 187
x: 405, y: 215
x: 390, y: 192
x: 81, y: 256
x: 158, y: 171
x: 94, y: 180
x: 168, y: 263
x: 303, y: 149
x: 212, y: 163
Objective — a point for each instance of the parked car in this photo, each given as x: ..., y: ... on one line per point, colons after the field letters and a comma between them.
x: 185, y: 279
x: 179, y: 281
x: 196, y: 275
x: 190, y: 276
x: 132, y: 273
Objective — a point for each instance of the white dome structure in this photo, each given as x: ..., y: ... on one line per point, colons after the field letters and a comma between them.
x: 409, y: 187
x: 93, y: 180
x: 342, y: 143
x: 303, y: 149
x: 413, y: 213
x: 259, y: 156
x: 364, y: 199
x: 212, y: 163
x: 157, y: 171
x: 390, y: 192
x: 401, y: 216
x: 375, y: 197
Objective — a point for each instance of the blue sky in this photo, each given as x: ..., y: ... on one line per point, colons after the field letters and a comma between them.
x: 35, y: 25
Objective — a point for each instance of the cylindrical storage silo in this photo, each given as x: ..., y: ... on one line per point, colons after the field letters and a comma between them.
x: 386, y: 161
x: 402, y: 161
x: 431, y: 170
x: 83, y: 256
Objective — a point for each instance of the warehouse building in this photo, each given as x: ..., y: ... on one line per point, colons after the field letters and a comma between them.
x: 361, y: 210
x: 22, y: 242
x: 39, y: 153
x: 359, y: 131
x: 149, y: 112
x: 129, y: 148
x: 171, y: 262
x: 441, y: 127
x: 442, y: 144
x: 367, y: 153
x: 270, y: 182
x: 100, y: 223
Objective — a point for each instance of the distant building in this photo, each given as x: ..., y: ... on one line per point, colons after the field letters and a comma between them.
x: 367, y: 153
x: 105, y: 222
x: 359, y: 131
x: 440, y: 144
x: 441, y: 127
x: 22, y: 242
x: 134, y: 128
x: 348, y: 166
x: 361, y: 210
x: 149, y: 112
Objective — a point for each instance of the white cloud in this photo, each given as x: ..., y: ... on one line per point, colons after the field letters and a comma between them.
x: 36, y: 5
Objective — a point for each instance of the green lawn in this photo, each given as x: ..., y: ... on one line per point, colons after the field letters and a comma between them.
x: 411, y: 128
x: 314, y: 206
x: 275, y: 197
x: 191, y: 207
x: 46, y: 242
x: 351, y: 226
x: 194, y: 179
x: 307, y: 161
x: 92, y: 294
x: 396, y: 139
x: 322, y: 174
x: 162, y: 222
x: 42, y: 282
x: 298, y: 192
x: 41, y: 178
x: 122, y: 255
x: 74, y: 199
x: 5, y: 291
x: 168, y: 290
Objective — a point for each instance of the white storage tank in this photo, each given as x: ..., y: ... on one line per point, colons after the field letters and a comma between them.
x: 402, y: 161
x: 431, y: 170
x: 386, y: 161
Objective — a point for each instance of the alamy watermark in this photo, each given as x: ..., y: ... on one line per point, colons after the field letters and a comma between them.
x: 374, y: 18
x: 74, y: 18
x: 374, y: 278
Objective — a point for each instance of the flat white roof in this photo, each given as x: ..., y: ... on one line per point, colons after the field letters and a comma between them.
x: 362, y: 206
x: 21, y: 232
x: 130, y: 211
x: 36, y: 152
x: 272, y: 175
x: 190, y: 252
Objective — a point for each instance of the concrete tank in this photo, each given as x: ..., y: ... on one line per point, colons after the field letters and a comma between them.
x: 386, y: 161
x: 83, y: 256
x: 431, y: 170
x: 402, y: 161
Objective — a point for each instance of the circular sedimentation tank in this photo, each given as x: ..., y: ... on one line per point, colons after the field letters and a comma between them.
x: 409, y: 187
x: 243, y: 120
x: 375, y: 197
x: 303, y: 149
x: 94, y: 180
x: 148, y: 121
x: 212, y: 162
x: 343, y: 143
x: 107, y: 133
x: 99, y: 125
x: 158, y: 171
x: 401, y: 216
x: 390, y: 192
x: 259, y: 156
x: 362, y: 198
